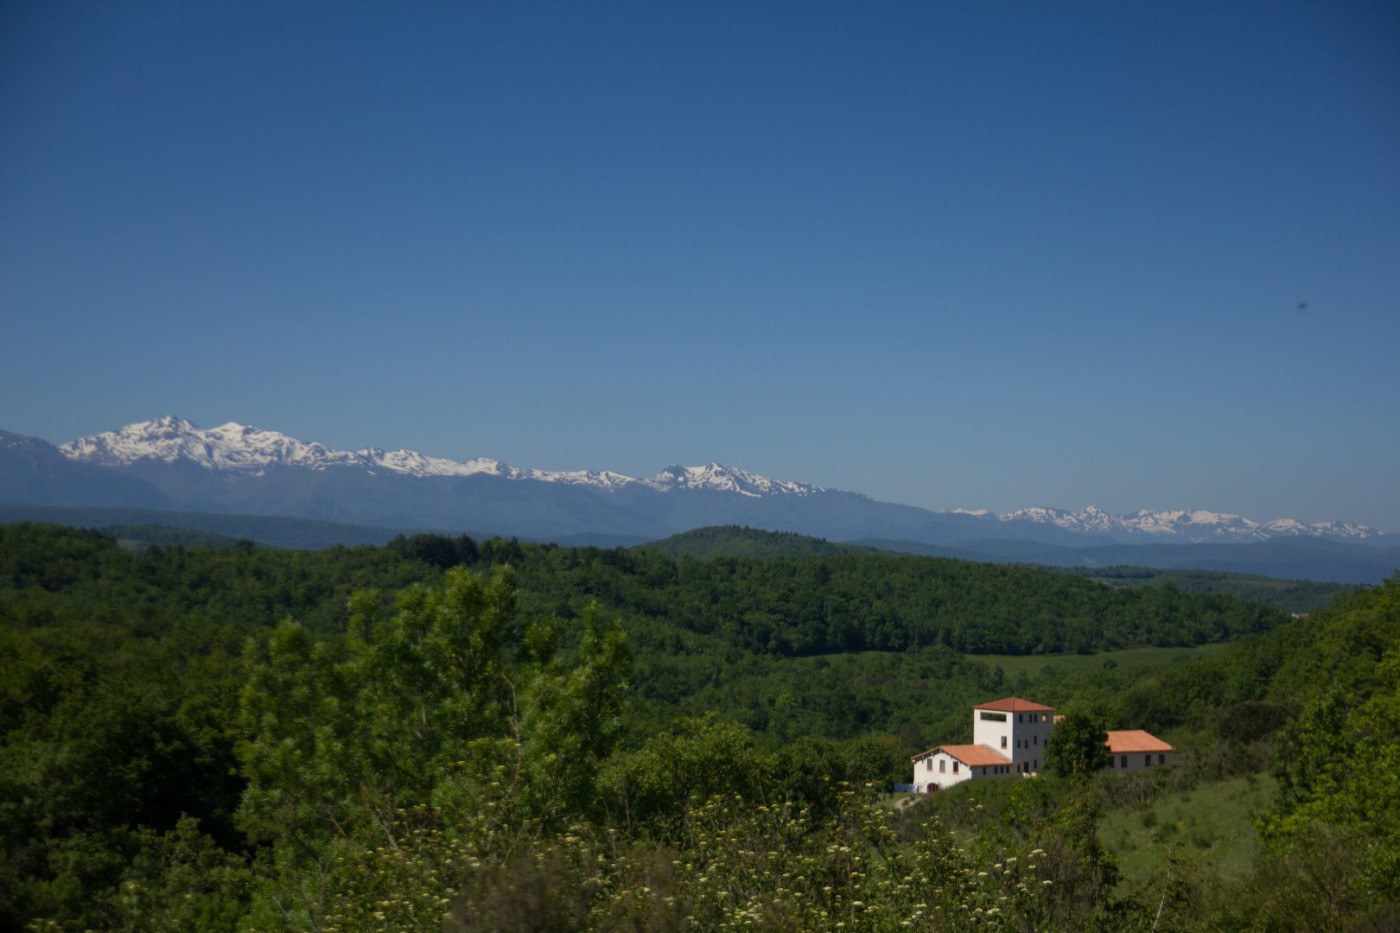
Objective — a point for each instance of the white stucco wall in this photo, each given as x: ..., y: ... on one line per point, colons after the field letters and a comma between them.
x: 942, y: 770
x: 1020, y: 736
x: 994, y: 732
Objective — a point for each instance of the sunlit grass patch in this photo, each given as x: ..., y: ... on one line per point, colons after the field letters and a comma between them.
x: 1212, y: 824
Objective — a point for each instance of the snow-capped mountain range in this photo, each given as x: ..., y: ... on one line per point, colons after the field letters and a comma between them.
x: 1192, y: 525
x: 238, y: 447
x: 240, y: 450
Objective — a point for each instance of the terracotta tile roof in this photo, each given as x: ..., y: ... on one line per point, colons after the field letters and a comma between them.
x: 971, y: 755
x: 1015, y: 705
x: 1127, y: 741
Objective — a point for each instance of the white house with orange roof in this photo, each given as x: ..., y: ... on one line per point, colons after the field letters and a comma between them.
x: 1009, y: 737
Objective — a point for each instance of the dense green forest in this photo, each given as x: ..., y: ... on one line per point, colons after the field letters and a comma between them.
x: 1291, y: 595
x: 446, y: 733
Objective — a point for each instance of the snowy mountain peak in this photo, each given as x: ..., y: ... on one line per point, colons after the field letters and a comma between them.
x: 412, y: 463
x: 720, y: 478
x: 230, y: 446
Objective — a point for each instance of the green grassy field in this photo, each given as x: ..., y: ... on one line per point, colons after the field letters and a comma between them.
x: 1212, y: 824
x: 1034, y: 665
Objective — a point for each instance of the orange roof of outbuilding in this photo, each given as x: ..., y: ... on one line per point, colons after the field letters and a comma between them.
x: 1015, y: 705
x: 1127, y: 741
x: 973, y: 755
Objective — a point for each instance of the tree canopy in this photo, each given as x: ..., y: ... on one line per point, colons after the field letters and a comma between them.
x: 1076, y: 746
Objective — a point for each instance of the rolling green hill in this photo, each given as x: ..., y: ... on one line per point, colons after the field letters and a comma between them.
x: 269, y: 530
x: 738, y: 541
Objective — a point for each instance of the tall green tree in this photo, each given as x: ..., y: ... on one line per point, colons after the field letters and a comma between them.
x: 1076, y: 746
x: 571, y: 717
x: 427, y: 704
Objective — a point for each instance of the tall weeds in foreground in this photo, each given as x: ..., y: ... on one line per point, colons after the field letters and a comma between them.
x: 736, y: 866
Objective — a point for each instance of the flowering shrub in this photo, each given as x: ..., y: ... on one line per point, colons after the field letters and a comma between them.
x: 738, y: 866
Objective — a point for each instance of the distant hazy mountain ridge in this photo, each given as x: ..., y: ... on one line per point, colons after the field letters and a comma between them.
x: 1191, y: 525
x: 223, y: 477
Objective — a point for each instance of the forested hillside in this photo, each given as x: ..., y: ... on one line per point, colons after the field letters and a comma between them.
x: 739, y: 541
x: 489, y: 735
x: 886, y: 602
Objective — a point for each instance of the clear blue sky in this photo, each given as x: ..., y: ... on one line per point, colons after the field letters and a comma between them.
x: 974, y: 254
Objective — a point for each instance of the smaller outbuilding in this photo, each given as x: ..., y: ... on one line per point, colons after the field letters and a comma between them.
x: 1136, y: 750
x: 947, y: 765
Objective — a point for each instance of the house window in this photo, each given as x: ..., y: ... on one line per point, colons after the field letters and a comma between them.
x: 1161, y: 759
x: 1020, y: 718
x: 1110, y: 761
x: 942, y: 766
x: 1122, y: 761
x: 1003, y: 741
x: 955, y: 767
x: 991, y: 717
x: 1147, y: 760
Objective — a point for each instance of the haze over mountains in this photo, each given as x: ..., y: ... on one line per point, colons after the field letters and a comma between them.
x: 172, y: 464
